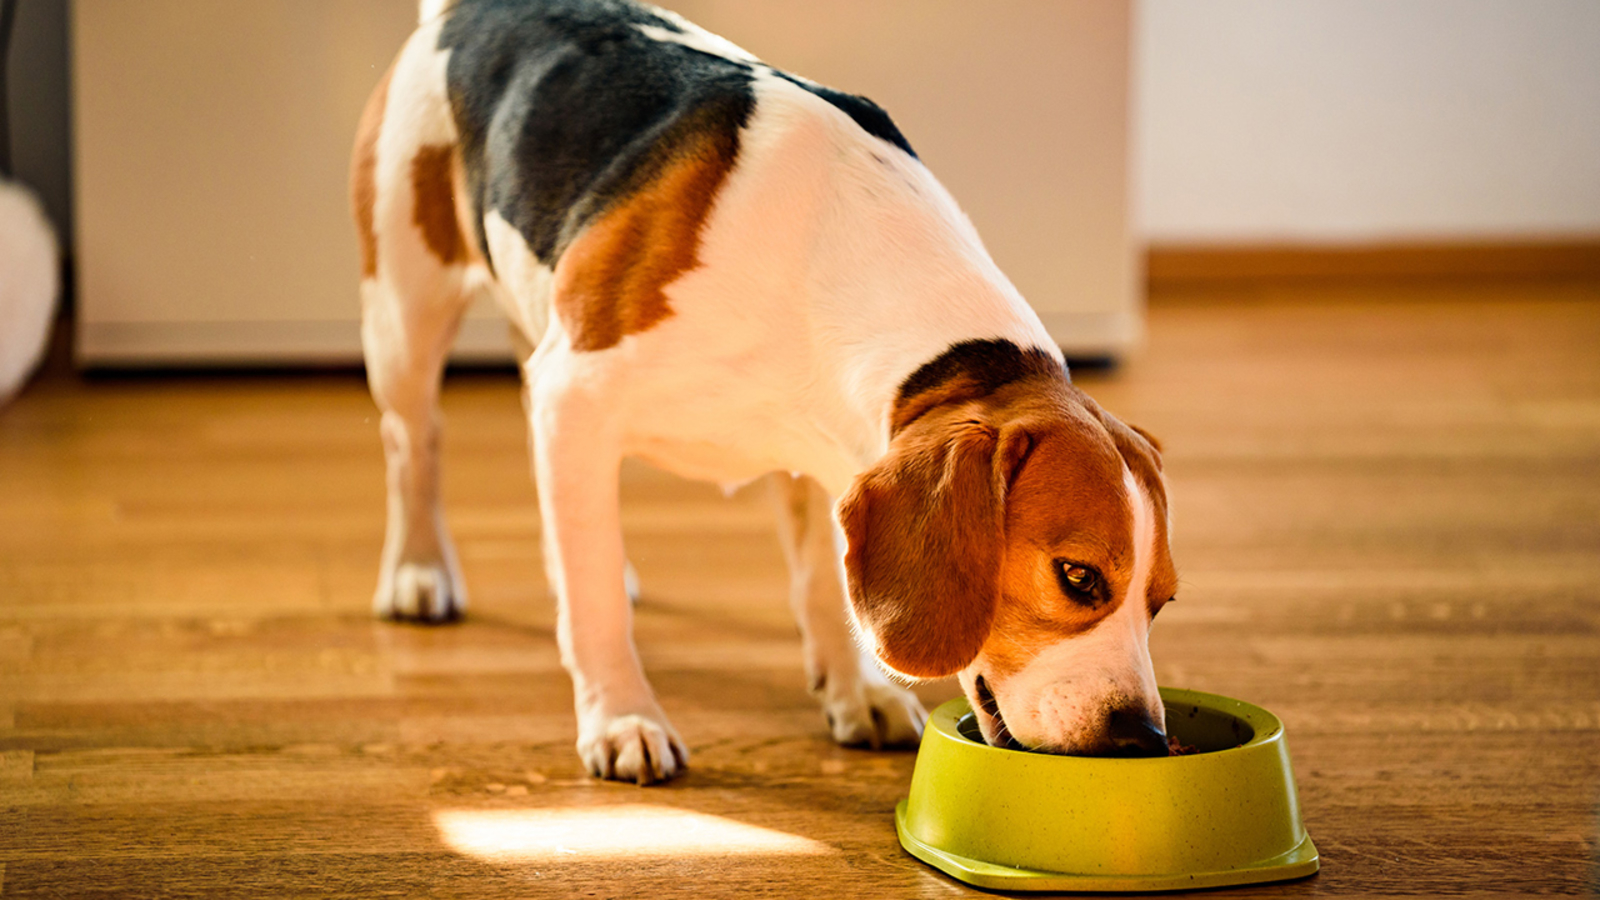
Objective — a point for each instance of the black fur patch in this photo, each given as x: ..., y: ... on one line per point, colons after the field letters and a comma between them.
x: 870, y: 116
x: 989, y: 364
x: 565, y: 108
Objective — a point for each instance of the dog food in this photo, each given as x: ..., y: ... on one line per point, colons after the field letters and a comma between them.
x: 1176, y: 747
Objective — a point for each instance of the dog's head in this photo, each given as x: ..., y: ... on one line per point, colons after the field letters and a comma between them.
x: 1016, y: 533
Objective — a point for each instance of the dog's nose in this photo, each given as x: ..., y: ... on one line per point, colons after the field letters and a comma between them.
x: 1133, y: 733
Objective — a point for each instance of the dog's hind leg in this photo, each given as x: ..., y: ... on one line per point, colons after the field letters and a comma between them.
x: 418, y: 276
x: 405, y: 348
x: 861, y: 705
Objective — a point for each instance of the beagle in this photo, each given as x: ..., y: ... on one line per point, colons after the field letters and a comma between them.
x: 729, y: 271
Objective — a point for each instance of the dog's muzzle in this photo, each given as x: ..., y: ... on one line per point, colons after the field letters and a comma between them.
x: 1133, y: 733
x: 991, y: 708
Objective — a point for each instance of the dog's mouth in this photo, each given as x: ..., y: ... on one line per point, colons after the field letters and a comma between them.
x: 989, y: 707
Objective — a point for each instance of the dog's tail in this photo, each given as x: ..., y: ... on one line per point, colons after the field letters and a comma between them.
x: 430, y: 8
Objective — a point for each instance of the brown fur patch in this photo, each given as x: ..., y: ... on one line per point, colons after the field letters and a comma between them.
x: 1142, y: 452
x: 476, y: 253
x: 433, y: 202
x: 1069, y: 503
x: 363, y: 173
x: 925, y: 535
x: 937, y: 579
x: 609, y: 282
x: 910, y: 407
x: 971, y: 370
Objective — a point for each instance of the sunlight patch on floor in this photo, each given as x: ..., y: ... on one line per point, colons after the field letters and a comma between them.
x: 635, y: 829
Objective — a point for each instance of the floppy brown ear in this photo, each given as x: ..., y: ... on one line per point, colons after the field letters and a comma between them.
x: 1149, y: 439
x: 1131, y: 440
x: 925, y: 530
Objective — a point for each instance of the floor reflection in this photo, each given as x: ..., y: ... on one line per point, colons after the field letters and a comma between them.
x: 637, y: 829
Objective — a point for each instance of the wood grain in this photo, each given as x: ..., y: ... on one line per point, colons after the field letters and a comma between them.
x: 1387, y: 509
x: 1170, y: 266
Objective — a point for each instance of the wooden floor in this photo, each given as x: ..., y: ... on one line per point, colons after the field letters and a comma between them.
x: 1388, y: 526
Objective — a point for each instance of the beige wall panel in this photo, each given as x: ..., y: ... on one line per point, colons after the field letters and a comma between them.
x: 212, y: 147
x: 212, y: 141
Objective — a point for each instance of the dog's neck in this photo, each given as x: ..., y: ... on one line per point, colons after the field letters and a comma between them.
x: 896, y: 279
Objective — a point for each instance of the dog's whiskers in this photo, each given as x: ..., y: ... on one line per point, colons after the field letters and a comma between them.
x: 991, y: 708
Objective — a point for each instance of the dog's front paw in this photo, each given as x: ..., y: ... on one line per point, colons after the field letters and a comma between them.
x: 875, y: 714
x: 642, y: 748
x: 419, y: 592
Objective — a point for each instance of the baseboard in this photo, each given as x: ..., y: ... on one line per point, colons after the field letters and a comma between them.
x: 266, y: 344
x: 1172, y: 265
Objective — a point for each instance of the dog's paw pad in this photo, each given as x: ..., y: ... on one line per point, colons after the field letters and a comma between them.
x: 419, y: 592
x: 876, y: 716
x: 634, y: 748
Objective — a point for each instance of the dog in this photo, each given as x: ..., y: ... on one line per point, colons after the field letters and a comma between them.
x: 730, y: 271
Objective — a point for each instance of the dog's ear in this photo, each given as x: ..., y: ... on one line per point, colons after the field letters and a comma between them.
x: 1148, y: 438
x: 1137, y: 446
x: 1132, y: 441
x: 925, y: 530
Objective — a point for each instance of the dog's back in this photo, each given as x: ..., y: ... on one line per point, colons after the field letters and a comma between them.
x: 575, y: 158
x: 566, y: 108
x: 539, y: 116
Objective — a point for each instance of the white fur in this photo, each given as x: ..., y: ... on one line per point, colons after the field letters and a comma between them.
x: 29, y: 283
x: 430, y: 9
x: 410, y: 312
x: 1059, y: 701
x: 416, y: 114
x: 696, y: 38
x: 831, y: 266
x: 526, y: 282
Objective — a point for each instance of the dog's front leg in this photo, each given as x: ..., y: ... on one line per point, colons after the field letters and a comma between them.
x: 861, y: 705
x: 622, y: 732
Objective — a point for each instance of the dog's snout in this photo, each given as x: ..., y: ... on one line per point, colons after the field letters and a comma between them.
x: 1133, y: 733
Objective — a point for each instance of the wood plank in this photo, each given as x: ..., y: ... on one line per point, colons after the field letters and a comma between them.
x: 1172, y: 265
x: 1387, y: 509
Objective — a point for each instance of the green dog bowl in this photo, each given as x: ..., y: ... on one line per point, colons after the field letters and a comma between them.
x: 1018, y: 821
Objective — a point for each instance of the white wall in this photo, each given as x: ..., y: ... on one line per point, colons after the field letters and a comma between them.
x: 1358, y: 120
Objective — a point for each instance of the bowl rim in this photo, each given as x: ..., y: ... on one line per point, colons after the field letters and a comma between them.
x: 1267, y: 728
x: 1301, y: 861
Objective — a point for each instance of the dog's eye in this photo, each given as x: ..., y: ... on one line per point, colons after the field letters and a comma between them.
x: 1078, y: 577
x: 1080, y: 582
